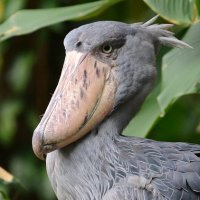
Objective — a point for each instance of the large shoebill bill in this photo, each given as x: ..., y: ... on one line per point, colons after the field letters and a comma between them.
x: 109, y: 69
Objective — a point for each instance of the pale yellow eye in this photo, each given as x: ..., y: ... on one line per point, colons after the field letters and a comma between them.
x: 107, y: 48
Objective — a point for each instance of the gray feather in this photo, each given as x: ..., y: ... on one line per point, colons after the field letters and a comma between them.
x: 112, y: 170
x: 172, y: 41
x: 160, y: 31
x: 104, y: 165
x: 151, y: 21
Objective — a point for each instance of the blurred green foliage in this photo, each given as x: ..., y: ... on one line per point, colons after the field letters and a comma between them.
x: 30, y: 66
x: 26, y: 21
x: 182, y: 12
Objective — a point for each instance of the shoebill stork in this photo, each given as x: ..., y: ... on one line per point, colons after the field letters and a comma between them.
x: 109, y: 69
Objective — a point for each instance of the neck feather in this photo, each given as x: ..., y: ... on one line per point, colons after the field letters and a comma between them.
x: 122, y: 114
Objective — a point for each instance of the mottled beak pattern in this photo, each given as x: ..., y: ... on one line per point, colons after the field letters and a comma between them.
x: 84, y: 97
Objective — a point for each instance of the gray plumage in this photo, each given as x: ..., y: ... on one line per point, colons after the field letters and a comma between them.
x: 104, y: 165
x: 120, y: 168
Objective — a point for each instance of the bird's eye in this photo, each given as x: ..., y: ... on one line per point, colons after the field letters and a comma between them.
x: 107, y: 48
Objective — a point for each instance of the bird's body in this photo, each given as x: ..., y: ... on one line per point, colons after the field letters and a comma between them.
x: 125, y: 168
x: 108, y: 72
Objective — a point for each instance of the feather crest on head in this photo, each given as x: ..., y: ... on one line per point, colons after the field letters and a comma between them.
x: 162, y: 33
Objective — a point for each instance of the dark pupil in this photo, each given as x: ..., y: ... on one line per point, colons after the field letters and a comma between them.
x: 107, y: 48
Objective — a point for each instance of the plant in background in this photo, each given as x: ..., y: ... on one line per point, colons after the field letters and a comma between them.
x: 27, y: 67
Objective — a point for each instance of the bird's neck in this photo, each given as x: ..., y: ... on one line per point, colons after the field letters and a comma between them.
x: 122, y: 115
x: 80, y: 164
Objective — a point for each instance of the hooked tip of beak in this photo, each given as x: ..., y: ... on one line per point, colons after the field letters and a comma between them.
x: 39, y: 147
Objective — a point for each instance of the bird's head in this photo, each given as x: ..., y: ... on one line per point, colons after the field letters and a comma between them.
x: 106, y: 63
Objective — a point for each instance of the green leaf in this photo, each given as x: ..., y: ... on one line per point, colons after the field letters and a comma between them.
x: 9, y: 111
x: 198, y: 7
x: 1, y: 15
x: 12, y: 6
x: 182, y: 12
x: 180, y: 76
x: 181, y: 122
x: 3, y: 195
x: 181, y: 70
x: 26, y: 21
x: 20, y: 73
